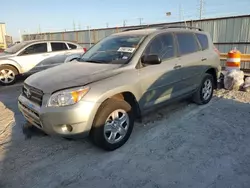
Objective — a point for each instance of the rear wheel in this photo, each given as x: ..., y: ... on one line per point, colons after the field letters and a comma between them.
x: 113, y: 124
x: 8, y: 75
x: 205, y: 91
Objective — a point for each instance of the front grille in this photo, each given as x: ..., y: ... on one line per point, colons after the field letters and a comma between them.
x: 33, y: 94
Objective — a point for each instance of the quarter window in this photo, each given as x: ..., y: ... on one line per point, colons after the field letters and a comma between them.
x: 35, y: 49
x: 203, y: 40
x: 72, y: 46
x: 187, y: 43
x: 58, y: 46
x: 163, y: 46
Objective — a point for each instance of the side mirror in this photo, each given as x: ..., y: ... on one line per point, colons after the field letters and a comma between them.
x: 151, y: 60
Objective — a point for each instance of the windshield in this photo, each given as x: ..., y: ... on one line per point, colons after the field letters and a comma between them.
x: 113, y: 49
x: 15, y: 48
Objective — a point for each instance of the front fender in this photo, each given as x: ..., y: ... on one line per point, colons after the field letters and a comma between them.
x: 100, y: 94
x: 12, y: 63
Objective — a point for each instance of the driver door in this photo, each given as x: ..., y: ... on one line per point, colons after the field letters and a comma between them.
x: 160, y: 82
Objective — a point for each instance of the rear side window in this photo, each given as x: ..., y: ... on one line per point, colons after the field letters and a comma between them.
x: 203, y: 40
x: 187, y: 43
x: 58, y: 46
x: 72, y: 46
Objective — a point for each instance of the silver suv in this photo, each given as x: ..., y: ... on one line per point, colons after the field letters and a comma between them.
x: 118, y: 80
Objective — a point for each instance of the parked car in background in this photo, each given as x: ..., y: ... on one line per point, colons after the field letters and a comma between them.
x: 74, y: 56
x: 32, y: 56
x: 118, y: 80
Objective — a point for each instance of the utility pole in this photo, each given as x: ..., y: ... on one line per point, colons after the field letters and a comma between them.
x: 79, y: 26
x: 107, y: 25
x: 39, y: 29
x: 88, y: 27
x: 74, y: 26
x: 124, y: 23
x: 201, y: 9
x: 140, y: 20
x: 180, y: 12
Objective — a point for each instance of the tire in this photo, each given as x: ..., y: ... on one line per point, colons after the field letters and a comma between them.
x: 100, y: 129
x: 200, y: 97
x: 10, y: 73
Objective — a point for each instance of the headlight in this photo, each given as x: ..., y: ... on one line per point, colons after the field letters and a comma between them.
x: 68, y: 97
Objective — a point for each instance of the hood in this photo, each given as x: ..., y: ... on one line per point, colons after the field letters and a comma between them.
x: 5, y: 55
x: 71, y: 74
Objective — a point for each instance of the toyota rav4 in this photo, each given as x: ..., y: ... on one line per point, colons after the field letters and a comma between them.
x: 118, y: 80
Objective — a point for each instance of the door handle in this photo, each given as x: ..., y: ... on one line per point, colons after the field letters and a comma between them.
x: 177, y: 66
x: 203, y: 59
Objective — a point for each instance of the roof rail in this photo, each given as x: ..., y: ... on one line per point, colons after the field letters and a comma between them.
x: 162, y: 27
x: 135, y: 28
x: 141, y: 27
x: 181, y: 26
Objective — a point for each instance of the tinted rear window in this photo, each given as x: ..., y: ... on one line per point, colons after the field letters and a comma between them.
x: 187, y: 43
x: 203, y: 40
x: 58, y: 46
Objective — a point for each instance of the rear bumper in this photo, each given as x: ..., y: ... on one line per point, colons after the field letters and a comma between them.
x: 53, y: 120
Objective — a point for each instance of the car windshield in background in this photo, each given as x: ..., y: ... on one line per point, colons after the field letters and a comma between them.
x: 113, y: 49
x: 15, y: 48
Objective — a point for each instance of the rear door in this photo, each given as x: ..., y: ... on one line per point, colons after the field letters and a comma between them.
x: 57, y: 51
x: 190, y: 61
x: 32, y: 57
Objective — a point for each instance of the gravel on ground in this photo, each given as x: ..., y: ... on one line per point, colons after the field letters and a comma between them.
x: 180, y: 145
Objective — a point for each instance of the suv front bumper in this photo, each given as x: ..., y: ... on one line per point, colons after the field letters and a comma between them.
x: 54, y: 120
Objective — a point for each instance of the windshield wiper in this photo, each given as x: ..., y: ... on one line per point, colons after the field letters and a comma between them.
x: 95, y: 61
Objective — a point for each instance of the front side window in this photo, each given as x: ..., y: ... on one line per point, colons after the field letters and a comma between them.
x: 35, y: 49
x: 162, y: 46
x: 58, y: 46
x: 187, y: 43
x: 113, y: 49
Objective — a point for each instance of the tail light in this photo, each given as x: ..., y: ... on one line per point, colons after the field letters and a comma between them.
x: 84, y: 50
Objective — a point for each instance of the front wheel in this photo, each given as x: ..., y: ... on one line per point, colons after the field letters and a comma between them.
x: 8, y: 75
x: 205, y: 91
x: 113, y: 124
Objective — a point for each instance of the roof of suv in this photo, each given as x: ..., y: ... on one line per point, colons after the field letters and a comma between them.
x: 148, y: 31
